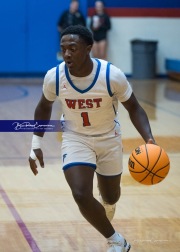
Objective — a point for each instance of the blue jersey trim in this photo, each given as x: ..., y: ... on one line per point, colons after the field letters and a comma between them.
x: 91, y: 85
x: 57, y: 80
x: 77, y: 164
x: 108, y: 79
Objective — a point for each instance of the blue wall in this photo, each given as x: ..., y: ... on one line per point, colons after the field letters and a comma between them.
x: 29, y: 38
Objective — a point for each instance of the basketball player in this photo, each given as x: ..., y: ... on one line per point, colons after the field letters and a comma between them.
x: 89, y: 90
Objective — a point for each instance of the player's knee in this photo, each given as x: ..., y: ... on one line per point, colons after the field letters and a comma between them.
x: 81, y: 198
x: 112, y: 198
x: 111, y: 201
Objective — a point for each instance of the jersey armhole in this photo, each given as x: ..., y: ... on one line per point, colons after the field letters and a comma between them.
x: 108, y: 79
x: 57, y: 80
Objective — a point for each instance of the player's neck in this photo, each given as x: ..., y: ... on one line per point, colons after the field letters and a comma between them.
x: 85, y: 70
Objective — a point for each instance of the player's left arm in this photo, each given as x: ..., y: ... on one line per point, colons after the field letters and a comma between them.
x: 121, y: 88
x: 139, y: 118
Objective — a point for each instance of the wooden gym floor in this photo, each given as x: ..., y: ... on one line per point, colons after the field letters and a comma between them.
x: 39, y: 214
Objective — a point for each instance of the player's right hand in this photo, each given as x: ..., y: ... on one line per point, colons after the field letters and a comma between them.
x: 37, y: 155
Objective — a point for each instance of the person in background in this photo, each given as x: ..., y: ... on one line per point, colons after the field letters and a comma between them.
x: 100, y: 25
x: 72, y: 16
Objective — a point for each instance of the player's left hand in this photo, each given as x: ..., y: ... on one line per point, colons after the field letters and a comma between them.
x: 151, y: 141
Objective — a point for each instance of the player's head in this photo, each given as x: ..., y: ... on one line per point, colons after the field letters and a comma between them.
x: 83, y: 33
x: 76, y: 44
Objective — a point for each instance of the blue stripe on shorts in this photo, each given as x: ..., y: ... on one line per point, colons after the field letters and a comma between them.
x: 78, y: 163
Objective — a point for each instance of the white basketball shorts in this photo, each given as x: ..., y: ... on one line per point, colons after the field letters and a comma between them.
x: 102, y: 152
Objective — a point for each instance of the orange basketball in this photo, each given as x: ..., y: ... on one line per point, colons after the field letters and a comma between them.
x: 149, y: 164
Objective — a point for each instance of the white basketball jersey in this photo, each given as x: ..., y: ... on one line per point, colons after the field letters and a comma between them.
x: 92, y: 110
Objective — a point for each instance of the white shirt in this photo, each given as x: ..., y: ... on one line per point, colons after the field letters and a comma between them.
x: 89, y: 104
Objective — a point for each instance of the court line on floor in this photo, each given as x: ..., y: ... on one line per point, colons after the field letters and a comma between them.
x: 24, y: 93
x: 158, y: 107
x: 26, y: 233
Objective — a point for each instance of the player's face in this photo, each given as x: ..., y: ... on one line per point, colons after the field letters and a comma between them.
x: 75, y: 53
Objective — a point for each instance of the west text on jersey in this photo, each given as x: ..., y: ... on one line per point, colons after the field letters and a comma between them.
x: 83, y: 103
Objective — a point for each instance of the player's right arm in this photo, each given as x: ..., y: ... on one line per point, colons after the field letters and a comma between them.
x: 42, y: 112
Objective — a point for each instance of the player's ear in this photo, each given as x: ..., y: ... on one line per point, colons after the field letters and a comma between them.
x: 89, y: 47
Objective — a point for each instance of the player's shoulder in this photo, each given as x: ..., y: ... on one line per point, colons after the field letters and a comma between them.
x: 50, y: 76
x: 114, y: 71
x: 51, y: 73
x: 104, y: 63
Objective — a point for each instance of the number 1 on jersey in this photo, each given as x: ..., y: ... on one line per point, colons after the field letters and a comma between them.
x: 85, y: 118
